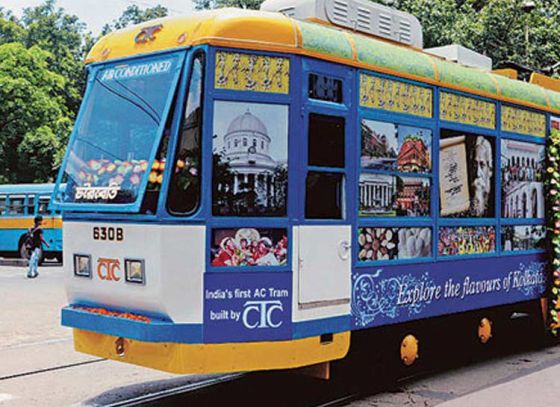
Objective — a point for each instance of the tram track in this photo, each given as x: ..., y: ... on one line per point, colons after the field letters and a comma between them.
x: 162, y: 395
x: 50, y: 369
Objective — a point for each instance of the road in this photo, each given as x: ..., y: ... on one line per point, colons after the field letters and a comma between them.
x: 32, y: 339
x: 40, y: 368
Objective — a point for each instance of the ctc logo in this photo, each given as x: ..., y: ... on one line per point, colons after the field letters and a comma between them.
x: 107, y: 269
x: 258, y: 314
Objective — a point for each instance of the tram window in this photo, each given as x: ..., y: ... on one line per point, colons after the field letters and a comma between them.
x: 326, y: 141
x: 17, y: 205
x: 184, y: 189
x: 247, y: 182
x: 43, y: 207
x: 322, y: 87
x: 31, y: 204
x: 2, y: 205
x: 324, y: 195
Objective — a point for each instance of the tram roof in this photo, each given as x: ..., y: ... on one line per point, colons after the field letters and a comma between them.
x: 266, y: 31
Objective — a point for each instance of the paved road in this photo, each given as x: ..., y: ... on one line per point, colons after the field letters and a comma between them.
x: 38, y: 366
x: 32, y: 339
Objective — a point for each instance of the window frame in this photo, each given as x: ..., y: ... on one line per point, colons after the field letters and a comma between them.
x: 398, y: 222
x: 173, y: 148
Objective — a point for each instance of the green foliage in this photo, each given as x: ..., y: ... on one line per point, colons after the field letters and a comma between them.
x: 134, y: 15
x: 33, y: 120
x: 42, y: 79
x: 208, y: 4
x: 495, y: 28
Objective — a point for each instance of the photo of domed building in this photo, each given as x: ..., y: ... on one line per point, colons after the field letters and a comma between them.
x: 250, y: 154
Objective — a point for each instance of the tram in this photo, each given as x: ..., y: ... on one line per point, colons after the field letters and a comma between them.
x: 258, y: 190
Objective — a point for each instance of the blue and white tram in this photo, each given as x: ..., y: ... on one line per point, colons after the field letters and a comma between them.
x: 247, y: 191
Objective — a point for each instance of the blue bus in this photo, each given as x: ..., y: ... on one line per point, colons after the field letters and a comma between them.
x: 19, y: 204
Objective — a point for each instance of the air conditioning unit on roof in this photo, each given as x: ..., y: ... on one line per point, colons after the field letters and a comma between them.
x: 358, y: 15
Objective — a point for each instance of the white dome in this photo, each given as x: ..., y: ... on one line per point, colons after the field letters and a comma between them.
x: 247, y: 123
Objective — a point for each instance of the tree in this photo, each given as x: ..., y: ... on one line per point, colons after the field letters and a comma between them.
x: 208, y: 4
x: 33, y: 117
x: 10, y: 29
x: 62, y: 35
x: 134, y: 15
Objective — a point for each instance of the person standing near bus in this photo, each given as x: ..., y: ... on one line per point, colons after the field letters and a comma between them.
x: 36, y: 246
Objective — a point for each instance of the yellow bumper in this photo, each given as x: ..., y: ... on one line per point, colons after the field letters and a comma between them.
x: 184, y: 358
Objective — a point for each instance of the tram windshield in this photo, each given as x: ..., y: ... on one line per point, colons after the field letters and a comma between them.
x: 119, y: 129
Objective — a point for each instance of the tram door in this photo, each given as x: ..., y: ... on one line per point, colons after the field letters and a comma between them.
x: 324, y: 240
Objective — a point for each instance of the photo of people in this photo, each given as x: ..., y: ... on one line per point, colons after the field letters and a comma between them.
x: 522, y: 179
x: 249, y: 247
x: 463, y: 240
x: 523, y: 237
x: 467, y: 171
x: 250, y: 149
x: 391, y: 195
x: 386, y: 146
x: 379, y: 243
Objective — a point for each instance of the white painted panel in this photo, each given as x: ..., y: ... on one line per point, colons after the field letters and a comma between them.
x: 324, y: 264
x: 174, y: 261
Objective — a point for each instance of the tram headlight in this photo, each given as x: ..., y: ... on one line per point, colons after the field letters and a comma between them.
x: 82, y: 265
x: 134, y: 271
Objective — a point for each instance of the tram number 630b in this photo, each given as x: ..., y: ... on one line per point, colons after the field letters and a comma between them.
x: 108, y: 233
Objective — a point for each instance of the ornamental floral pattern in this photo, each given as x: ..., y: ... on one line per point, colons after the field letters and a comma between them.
x: 523, y: 121
x: 251, y: 72
x: 395, y: 96
x: 462, y: 109
x: 374, y: 297
x: 552, y: 186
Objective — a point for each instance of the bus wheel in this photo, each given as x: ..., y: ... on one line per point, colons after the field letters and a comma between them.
x: 22, y: 249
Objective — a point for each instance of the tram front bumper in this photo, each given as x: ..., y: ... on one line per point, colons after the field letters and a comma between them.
x: 177, y: 348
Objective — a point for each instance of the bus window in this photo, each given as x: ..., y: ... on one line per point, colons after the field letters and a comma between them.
x: 2, y: 205
x: 250, y: 180
x: 17, y: 205
x: 184, y: 189
x: 30, y: 204
x: 43, y: 208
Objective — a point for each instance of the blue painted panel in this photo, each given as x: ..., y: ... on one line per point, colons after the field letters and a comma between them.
x: 318, y: 327
x: 155, y: 331
x: 247, y: 307
x: 389, y: 295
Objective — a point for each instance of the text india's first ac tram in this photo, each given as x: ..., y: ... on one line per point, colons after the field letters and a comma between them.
x: 248, y: 191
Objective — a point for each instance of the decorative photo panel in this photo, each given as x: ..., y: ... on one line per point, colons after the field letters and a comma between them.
x: 464, y: 240
x: 523, y: 237
x: 378, y: 243
x: 249, y: 247
x: 250, y: 165
x: 386, y: 146
x: 391, y: 195
x: 466, y: 174
x: 522, y: 179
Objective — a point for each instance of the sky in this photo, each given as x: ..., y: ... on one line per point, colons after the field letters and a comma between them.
x: 97, y: 13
